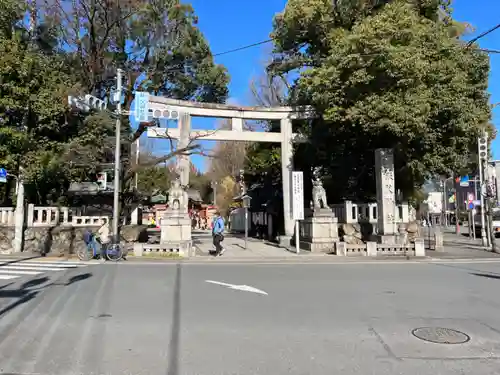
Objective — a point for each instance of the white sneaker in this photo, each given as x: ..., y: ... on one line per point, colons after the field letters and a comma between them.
x: 222, y: 252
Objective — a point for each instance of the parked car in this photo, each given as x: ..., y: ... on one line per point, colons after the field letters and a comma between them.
x: 495, y: 224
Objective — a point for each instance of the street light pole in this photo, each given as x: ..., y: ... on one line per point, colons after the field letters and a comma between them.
x: 116, y: 193
x: 137, y: 145
x: 483, y: 155
x: 214, y: 188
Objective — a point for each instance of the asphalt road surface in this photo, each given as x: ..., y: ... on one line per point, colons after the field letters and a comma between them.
x: 131, y: 318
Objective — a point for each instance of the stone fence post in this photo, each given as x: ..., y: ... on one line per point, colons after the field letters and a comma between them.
x: 30, y: 215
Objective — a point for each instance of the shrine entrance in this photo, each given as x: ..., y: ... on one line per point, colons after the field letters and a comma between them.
x: 184, y: 134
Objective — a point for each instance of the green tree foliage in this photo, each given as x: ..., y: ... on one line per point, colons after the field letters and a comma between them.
x: 383, y: 74
x: 263, y: 160
x: 74, y: 48
x: 156, y: 43
x: 35, y: 131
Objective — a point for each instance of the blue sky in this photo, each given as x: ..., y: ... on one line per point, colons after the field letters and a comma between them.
x: 229, y: 24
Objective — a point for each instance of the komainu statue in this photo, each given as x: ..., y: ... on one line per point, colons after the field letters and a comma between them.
x: 177, y: 198
x: 318, y: 191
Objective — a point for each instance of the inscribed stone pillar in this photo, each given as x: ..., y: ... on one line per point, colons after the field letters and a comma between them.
x: 386, y: 198
x: 183, y: 161
x: 286, y: 171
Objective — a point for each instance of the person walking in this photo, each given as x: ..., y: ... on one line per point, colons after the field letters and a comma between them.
x: 218, y: 234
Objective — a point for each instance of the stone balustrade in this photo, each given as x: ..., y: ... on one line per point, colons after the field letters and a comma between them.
x: 372, y: 249
x: 7, y: 216
x: 350, y: 213
x: 60, y: 216
x: 37, y: 216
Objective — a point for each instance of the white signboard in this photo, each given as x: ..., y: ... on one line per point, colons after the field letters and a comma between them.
x: 298, y: 195
x: 435, y: 202
x: 141, y: 106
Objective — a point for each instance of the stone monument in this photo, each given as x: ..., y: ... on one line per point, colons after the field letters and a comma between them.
x: 175, y: 224
x: 319, y: 230
x: 386, y: 195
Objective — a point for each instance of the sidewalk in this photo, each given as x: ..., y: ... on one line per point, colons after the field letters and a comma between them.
x: 235, y: 248
x: 459, y: 246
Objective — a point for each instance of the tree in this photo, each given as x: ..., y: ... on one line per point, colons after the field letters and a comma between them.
x: 156, y: 43
x: 158, y: 46
x: 35, y: 129
x: 225, y: 165
x: 383, y: 74
x: 263, y: 162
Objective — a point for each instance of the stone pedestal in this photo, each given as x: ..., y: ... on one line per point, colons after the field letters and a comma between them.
x: 319, y: 231
x: 175, y: 228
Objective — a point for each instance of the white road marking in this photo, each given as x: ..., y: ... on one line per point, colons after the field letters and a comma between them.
x: 244, y: 288
x: 18, y: 272
x: 28, y: 268
x: 35, y: 264
x: 8, y: 277
x: 14, y: 269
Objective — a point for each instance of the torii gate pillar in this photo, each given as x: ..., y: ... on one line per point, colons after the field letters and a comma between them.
x: 183, y: 161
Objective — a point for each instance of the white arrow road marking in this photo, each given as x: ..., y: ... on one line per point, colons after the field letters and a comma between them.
x: 244, y: 288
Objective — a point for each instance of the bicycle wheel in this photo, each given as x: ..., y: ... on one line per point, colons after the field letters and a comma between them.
x: 114, y: 252
x: 83, y: 253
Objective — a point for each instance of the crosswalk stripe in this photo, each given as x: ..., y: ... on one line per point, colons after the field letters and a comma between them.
x: 8, y: 277
x: 78, y: 264
x: 35, y: 264
x: 12, y: 269
x: 20, y: 272
x: 27, y: 268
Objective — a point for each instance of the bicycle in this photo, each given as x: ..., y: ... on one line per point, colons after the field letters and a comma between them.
x: 93, y: 249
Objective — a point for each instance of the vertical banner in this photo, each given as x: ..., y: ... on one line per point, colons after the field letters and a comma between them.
x: 298, y: 195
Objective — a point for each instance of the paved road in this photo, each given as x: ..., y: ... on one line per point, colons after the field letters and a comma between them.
x: 130, y: 318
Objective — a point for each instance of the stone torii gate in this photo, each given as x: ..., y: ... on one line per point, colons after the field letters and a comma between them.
x: 184, y: 134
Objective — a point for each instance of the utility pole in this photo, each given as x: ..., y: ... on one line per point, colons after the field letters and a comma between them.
x: 457, y: 223
x: 19, y: 212
x: 116, y: 193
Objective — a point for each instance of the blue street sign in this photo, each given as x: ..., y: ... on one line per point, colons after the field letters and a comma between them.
x: 141, y: 106
x: 471, y: 206
x: 3, y: 175
x: 464, y: 181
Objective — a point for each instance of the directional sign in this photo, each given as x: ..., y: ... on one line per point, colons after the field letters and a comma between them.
x: 141, y: 106
x: 464, y: 181
x: 3, y: 175
x: 244, y: 288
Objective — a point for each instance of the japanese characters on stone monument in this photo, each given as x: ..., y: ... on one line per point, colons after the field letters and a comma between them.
x: 386, y: 198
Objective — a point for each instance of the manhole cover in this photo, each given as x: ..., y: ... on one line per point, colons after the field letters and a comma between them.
x: 440, y: 335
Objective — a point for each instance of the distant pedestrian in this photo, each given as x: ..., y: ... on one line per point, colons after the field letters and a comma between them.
x: 218, y: 233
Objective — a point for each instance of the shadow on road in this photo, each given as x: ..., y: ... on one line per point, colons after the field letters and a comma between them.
x: 30, y: 289
x: 173, y: 349
x: 487, y: 275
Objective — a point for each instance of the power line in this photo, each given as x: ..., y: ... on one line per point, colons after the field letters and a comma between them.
x: 180, y: 66
x: 244, y: 47
x: 482, y: 35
